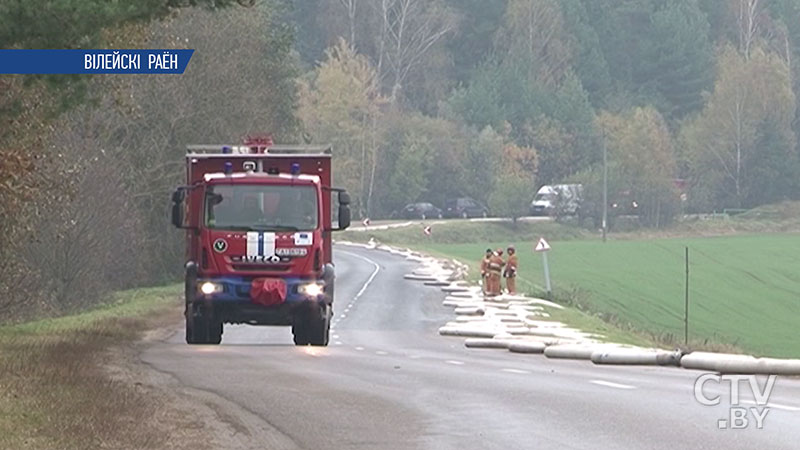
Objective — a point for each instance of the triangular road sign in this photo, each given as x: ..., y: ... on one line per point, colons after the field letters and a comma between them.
x: 541, y: 246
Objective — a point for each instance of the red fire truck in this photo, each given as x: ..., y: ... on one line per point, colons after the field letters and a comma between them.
x: 258, y: 224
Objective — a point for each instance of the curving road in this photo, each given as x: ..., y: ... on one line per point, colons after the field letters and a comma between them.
x: 388, y: 381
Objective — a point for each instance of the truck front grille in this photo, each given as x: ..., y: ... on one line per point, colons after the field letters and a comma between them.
x: 261, y: 267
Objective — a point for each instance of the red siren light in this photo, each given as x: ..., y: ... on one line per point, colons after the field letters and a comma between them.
x: 259, y: 143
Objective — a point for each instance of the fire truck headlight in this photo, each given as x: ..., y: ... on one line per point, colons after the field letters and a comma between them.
x: 209, y: 288
x: 311, y: 289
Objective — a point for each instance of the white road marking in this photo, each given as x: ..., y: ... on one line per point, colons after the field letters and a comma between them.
x: 611, y: 385
x: 361, y: 349
x: 522, y: 372
x: 338, y: 343
x: 363, y: 287
x: 371, y: 277
x: 381, y: 352
x: 454, y: 362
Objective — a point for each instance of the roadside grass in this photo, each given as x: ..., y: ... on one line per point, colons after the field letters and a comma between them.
x: 606, y: 331
x: 462, y: 232
x: 744, y: 290
x: 55, y: 391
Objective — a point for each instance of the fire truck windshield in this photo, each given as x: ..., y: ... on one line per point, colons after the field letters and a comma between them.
x: 261, y: 207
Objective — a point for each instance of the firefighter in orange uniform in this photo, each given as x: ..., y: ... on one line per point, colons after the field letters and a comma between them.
x: 485, y: 270
x: 510, y: 271
x: 495, y: 269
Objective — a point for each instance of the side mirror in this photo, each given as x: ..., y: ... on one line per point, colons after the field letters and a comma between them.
x: 177, y: 207
x: 344, y: 215
x: 178, y: 195
x: 344, y: 199
x: 344, y: 209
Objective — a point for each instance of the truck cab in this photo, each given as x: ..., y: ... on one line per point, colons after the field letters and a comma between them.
x: 258, y: 223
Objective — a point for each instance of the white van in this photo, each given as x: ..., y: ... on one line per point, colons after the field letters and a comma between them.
x: 562, y: 198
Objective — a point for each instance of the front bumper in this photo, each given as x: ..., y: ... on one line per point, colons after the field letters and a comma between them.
x: 232, y: 303
x: 237, y: 290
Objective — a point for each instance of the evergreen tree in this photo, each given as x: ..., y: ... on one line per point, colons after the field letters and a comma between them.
x: 676, y: 61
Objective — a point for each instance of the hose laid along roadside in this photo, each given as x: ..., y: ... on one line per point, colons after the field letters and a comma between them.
x: 516, y: 323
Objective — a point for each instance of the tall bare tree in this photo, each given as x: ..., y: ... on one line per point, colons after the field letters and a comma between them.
x: 350, y: 7
x: 748, y: 23
x: 409, y: 29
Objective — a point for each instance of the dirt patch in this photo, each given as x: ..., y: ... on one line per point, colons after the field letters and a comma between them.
x: 57, y: 393
x: 178, y: 422
x: 81, y: 388
x: 192, y: 418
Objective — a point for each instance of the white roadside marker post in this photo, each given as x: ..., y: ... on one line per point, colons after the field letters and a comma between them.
x: 543, y: 247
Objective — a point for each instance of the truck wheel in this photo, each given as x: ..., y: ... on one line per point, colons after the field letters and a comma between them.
x: 319, y: 326
x: 202, y: 327
x: 299, y: 329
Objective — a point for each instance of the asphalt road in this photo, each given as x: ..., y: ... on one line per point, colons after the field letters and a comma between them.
x: 388, y: 381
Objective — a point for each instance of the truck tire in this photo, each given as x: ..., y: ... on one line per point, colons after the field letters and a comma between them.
x: 312, y: 326
x: 202, y: 327
x: 319, y: 326
x: 299, y: 329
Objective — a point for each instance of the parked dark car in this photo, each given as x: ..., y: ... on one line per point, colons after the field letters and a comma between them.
x: 464, y: 207
x: 418, y: 211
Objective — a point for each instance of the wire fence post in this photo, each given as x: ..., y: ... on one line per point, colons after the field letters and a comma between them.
x: 605, y: 188
x: 686, y: 306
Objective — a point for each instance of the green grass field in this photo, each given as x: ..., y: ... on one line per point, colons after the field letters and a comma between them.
x: 744, y: 290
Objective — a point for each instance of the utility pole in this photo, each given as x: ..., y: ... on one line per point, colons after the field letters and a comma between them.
x: 605, y: 188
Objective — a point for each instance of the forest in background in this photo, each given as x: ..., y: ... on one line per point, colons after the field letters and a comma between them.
x: 422, y: 100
